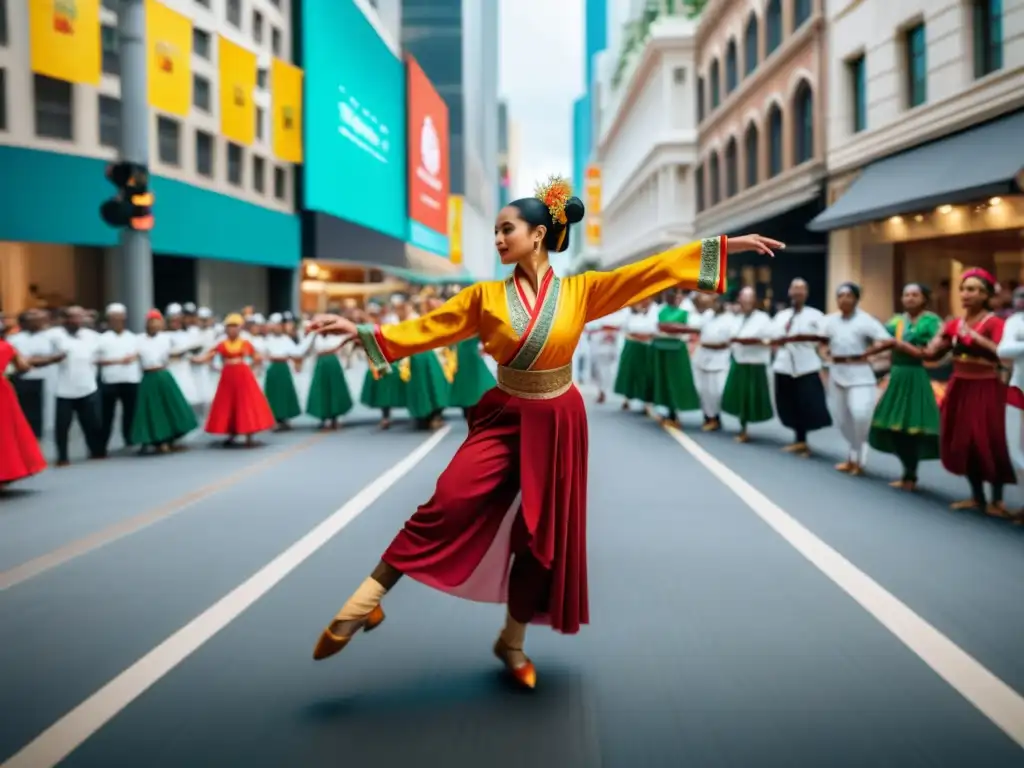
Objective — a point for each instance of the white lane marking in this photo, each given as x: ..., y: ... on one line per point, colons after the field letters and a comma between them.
x: 991, y: 696
x: 65, y: 736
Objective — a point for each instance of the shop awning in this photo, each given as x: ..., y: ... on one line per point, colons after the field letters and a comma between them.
x: 980, y: 162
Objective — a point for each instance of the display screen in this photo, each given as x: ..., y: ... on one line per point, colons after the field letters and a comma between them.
x: 427, y: 127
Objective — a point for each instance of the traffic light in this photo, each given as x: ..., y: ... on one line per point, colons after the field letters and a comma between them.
x: 132, y: 207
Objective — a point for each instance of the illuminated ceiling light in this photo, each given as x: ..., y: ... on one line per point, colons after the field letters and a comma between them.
x: 995, y: 200
x: 945, y: 209
x: 919, y: 218
x: 896, y: 220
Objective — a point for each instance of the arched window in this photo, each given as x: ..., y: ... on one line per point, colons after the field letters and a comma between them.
x: 716, y: 94
x: 698, y: 180
x: 803, y: 124
x: 700, y: 100
x: 716, y: 179
x: 801, y: 13
x: 773, y: 37
x: 752, y: 155
x: 774, y: 141
x: 750, y: 45
x: 732, y: 171
x: 731, y: 68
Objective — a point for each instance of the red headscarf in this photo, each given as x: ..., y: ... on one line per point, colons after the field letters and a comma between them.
x: 983, y: 275
x: 154, y: 314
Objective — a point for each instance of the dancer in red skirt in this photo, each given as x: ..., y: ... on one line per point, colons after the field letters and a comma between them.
x: 516, y: 489
x: 19, y: 450
x: 239, y: 405
x: 973, y: 427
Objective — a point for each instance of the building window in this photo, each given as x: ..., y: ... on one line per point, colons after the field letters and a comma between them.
x: 988, y: 36
x: 750, y: 45
x: 3, y: 99
x: 917, y: 66
x: 201, y: 98
x: 716, y: 179
x: 732, y: 171
x: 3, y: 22
x: 716, y: 94
x: 275, y: 41
x: 698, y: 180
x: 168, y: 140
x: 262, y: 78
x: 111, y: 50
x: 801, y: 13
x: 204, y: 154
x: 53, y: 107
x: 803, y: 132
x: 752, y: 155
x: 773, y: 30
x: 235, y: 13
x: 201, y: 43
x: 259, y: 174
x: 279, y: 184
x: 731, y: 68
x: 110, y: 121
x: 261, y: 117
x: 257, y: 26
x: 700, y: 100
x: 204, y: 3
x: 234, y: 164
x: 774, y: 141
x: 110, y: 5
x: 859, y: 91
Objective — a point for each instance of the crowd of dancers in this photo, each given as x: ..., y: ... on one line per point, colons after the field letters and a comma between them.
x: 875, y: 381
x: 237, y: 376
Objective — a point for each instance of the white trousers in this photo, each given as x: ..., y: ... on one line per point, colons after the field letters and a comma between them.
x: 710, y: 385
x: 602, y: 368
x: 852, y: 409
x: 1015, y: 439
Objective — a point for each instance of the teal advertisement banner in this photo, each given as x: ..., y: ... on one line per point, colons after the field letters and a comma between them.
x: 354, y: 96
x: 49, y: 197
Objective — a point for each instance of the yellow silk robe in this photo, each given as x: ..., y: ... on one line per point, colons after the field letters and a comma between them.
x: 544, y: 336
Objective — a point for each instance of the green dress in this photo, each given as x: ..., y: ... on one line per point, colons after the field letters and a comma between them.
x: 388, y: 391
x: 162, y: 414
x: 428, y: 389
x: 673, y: 374
x: 747, y: 395
x: 329, y: 397
x: 906, y: 419
x: 279, y: 387
x: 634, y: 379
x: 472, y: 376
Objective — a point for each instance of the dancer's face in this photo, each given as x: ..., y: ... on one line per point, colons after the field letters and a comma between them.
x: 913, y: 298
x: 846, y: 300
x: 973, y: 294
x: 232, y: 331
x: 513, y: 238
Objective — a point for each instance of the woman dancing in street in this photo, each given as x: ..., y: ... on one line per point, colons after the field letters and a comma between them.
x: 516, y: 488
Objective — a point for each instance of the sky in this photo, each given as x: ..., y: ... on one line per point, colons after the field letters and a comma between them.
x: 540, y: 75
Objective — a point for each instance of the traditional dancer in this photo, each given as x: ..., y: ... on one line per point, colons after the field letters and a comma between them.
x: 747, y: 395
x: 799, y: 393
x: 674, y: 389
x: 711, y: 361
x: 329, y: 398
x: 516, y: 488
x: 428, y: 384
x: 973, y: 423
x: 906, y: 419
x: 162, y: 414
x: 853, y: 336
x: 239, y: 407
x: 383, y: 391
x: 603, y: 350
x: 185, y: 345
x: 472, y: 376
x: 20, y: 456
x: 635, y: 377
x: 1011, y: 349
x: 279, y: 383
x: 119, y: 379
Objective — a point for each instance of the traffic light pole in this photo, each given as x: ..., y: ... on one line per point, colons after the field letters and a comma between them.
x: 136, y: 257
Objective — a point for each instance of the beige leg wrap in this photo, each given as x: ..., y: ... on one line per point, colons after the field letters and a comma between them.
x: 363, y: 600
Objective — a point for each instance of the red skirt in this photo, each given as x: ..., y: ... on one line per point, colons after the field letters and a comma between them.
x: 239, y: 407
x: 516, y: 487
x: 19, y: 450
x: 973, y: 430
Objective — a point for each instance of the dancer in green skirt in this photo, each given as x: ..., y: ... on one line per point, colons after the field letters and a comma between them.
x: 635, y: 377
x: 747, y: 395
x: 329, y: 398
x: 278, y: 383
x: 383, y: 394
x: 428, y: 389
x: 674, y: 388
x: 472, y: 376
x: 162, y: 414
x: 906, y: 419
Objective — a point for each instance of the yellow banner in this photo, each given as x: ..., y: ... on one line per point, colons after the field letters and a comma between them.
x: 169, y: 59
x: 286, y: 102
x: 237, y: 85
x: 64, y: 39
x: 455, y: 228
x: 593, y: 205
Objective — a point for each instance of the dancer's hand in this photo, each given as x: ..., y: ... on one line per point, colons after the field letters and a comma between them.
x: 757, y: 243
x: 332, y: 325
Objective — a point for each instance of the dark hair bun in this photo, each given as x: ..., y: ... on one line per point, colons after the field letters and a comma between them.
x: 574, y: 210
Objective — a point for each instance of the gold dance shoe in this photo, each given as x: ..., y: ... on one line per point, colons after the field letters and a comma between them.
x: 330, y: 643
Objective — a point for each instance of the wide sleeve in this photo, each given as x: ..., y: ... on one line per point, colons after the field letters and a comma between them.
x: 929, y: 326
x: 455, y: 320
x: 698, y: 266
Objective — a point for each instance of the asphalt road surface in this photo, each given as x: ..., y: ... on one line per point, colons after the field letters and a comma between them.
x: 748, y: 609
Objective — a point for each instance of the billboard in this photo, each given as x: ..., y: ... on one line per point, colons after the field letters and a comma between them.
x: 354, y: 127
x: 168, y: 59
x: 593, y: 205
x: 454, y: 213
x: 427, y: 127
x: 286, y: 102
x: 64, y: 39
x: 237, y: 88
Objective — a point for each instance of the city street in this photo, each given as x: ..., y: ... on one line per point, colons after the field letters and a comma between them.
x: 748, y: 609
